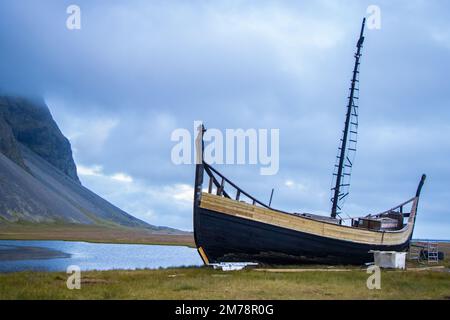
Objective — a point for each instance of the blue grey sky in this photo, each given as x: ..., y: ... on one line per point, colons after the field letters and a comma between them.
x: 139, y: 69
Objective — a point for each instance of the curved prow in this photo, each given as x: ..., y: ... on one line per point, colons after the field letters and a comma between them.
x: 199, y: 168
x: 416, y: 203
x: 419, y: 188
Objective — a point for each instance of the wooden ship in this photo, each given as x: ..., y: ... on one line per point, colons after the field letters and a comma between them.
x: 230, y: 225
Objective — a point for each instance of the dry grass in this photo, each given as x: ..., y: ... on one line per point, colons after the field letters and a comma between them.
x: 92, y: 234
x: 205, y: 283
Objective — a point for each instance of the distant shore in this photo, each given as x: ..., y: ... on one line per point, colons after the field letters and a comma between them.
x: 13, y: 253
x: 95, y: 234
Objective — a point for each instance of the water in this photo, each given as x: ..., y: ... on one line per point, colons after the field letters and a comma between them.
x: 431, y: 240
x: 58, y: 255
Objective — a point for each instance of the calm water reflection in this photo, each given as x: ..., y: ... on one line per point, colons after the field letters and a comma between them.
x: 58, y: 255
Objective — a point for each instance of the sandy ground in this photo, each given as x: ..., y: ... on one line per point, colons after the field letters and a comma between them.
x: 93, y: 234
x: 11, y: 253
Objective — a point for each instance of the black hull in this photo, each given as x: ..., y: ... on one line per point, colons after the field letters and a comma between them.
x: 226, y: 238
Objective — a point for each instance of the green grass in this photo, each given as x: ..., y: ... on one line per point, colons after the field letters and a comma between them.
x: 205, y: 283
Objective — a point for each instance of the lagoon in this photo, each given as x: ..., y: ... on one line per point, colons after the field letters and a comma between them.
x: 30, y: 255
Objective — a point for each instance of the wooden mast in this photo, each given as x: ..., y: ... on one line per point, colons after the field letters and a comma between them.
x: 343, y: 146
x: 199, y: 163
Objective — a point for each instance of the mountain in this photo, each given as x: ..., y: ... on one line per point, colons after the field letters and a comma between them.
x: 38, y: 176
x: 29, y: 122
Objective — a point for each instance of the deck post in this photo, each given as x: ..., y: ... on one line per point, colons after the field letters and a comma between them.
x: 220, y: 189
x: 210, y: 185
x: 271, y: 196
x: 199, y: 166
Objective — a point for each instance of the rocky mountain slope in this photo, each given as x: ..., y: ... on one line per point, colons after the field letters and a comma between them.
x: 29, y: 122
x: 38, y: 177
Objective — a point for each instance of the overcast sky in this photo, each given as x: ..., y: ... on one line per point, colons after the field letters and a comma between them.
x: 137, y: 70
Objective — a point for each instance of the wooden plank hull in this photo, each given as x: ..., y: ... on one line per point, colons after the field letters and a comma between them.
x: 234, y: 236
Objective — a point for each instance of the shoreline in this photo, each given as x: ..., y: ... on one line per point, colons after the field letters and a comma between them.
x: 94, y: 234
x: 19, y: 253
x: 175, y: 244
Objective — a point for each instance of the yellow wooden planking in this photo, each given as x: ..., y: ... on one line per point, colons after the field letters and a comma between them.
x: 303, y: 224
x: 203, y: 255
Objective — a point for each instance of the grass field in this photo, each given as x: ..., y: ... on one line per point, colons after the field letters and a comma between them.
x: 205, y: 283
x: 92, y: 234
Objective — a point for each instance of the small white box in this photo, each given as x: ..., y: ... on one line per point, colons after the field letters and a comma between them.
x: 389, y: 259
x: 232, y: 266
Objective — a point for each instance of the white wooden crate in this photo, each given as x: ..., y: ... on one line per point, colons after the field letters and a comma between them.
x: 389, y: 259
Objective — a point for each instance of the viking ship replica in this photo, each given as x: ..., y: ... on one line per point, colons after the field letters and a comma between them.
x: 231, y: 226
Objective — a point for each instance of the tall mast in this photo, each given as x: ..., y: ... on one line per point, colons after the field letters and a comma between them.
x: 344, y: 160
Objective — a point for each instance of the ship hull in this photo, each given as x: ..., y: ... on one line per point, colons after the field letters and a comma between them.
x: 225, y: 238
x: 228, y: 230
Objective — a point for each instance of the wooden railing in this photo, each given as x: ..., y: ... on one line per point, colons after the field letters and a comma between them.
x: 222, y: 188
x: 400, y: 208
x: 220, y: 182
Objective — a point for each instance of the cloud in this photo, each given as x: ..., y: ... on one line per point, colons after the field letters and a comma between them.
x: 89, y: 171
x: 122, y: 177
x: 138, y: 70
x: 289, y: 183
x: 97, y: 171
x: 154, y: 204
